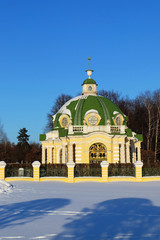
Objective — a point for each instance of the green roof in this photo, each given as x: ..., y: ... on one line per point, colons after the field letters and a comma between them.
x: 78, y: 108
x: 128, y: 132
x: 42, y: 137
x: 63, y: 132
x: 139, y: 137
x: 89, y: 81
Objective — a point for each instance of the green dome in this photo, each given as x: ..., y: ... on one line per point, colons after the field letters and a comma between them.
x: 76, y: 109
x: 89, y: 81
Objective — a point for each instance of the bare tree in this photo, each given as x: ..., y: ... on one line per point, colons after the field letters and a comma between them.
x: 111, y: 95
x: 147, y: 100
x: 59, y: 102
x: 3, y: 136
x: 157, y: 103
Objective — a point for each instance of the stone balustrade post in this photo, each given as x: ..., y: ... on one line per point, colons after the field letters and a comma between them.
x: 2, y: 170
x: 36, y: 170
x: 138, y: 171
x: 71, y: 166
x: 104, y: 167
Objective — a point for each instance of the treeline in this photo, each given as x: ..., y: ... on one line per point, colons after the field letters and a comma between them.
x: 22, y: 152
x: 143, y: 117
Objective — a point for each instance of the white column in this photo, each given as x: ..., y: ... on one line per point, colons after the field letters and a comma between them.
x: 50, y: 155
x: 43, y: 155
x: 63, y: 153
x: 139, y: 153
x: 133, y: 153
x: 127, y: 153
x: 122, y: 153
x: 70, y: 153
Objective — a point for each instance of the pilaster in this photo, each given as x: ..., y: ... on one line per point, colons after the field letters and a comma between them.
x: 50, y: 154
x: 122, y: 153
x: 70, y: 153
x: 63, y: 153
x: 43, y: 155
x: 127, y: 152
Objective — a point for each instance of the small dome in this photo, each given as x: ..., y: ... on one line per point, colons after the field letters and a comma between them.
x: 89, y: 81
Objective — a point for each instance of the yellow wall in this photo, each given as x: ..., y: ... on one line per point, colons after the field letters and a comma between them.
x: 84, y: 142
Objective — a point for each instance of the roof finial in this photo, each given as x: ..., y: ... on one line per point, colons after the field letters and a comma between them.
x: 89, y: 71
x: 89, y: 59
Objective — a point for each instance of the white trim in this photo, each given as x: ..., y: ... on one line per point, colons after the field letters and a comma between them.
x: 115, y: 112
x: 91, y: 111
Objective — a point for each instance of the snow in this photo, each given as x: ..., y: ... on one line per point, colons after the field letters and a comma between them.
x: 63, y: 109
x: 81, y: 211
x: 5, y: 187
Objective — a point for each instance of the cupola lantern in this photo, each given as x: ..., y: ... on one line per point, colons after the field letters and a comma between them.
x: 89, y: 85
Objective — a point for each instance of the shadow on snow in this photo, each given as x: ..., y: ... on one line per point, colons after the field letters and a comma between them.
x: 126, y: 218
x: 24, y: 212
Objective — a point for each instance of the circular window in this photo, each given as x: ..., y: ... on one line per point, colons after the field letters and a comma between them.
x: 92, y: 120
x: 89, y: 88
x: 118, y: 120
x: 64, y: 122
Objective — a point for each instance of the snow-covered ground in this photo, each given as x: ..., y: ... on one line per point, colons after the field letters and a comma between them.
x: 5, y: 186
x: 81, y: 211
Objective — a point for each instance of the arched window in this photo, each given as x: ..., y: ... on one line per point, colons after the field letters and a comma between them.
x: 52, y: 155
x: 60, y: 156
x: 131, y: 154
x: 66, y: 153
x: 97, y: 153
x: 74, y: 152
x: 119, y: 153
x: 136, y: 154
x: 46, y: 156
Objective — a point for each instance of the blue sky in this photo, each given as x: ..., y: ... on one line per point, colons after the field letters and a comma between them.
x: 44, y: 46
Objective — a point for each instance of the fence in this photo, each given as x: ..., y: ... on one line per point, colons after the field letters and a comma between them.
x: 58, y: 170
x: 87, y: 170
x: 18, y: 170
x: 71, y: 172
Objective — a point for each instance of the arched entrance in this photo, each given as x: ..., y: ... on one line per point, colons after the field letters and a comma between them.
x: 97, y: 153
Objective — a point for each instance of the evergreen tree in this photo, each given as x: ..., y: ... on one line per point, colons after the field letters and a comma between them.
x: 23, y: 138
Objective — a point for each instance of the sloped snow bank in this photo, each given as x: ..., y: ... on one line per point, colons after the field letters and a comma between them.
x: 5, y: 187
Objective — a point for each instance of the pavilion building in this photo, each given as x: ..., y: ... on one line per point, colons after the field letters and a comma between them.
x: 89, y: 129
